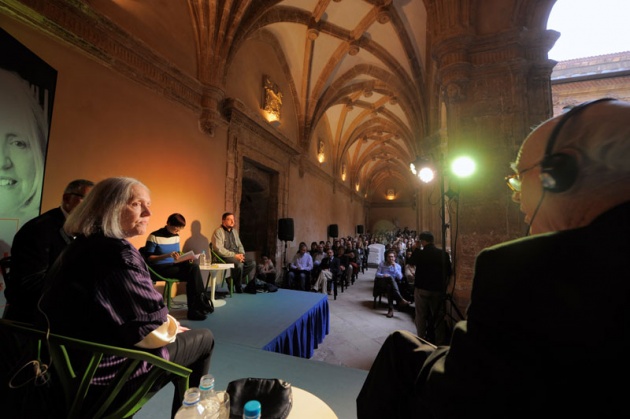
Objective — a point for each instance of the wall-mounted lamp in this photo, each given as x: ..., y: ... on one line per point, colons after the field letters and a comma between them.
x: 357, y: 186
x: 391, y: 194
x: 343, y: 172
x: 320, y: 152
x: 272, y: 101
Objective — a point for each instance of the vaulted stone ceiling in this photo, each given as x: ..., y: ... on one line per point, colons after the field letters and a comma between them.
x: 357, y: 67
x: 360, y: 68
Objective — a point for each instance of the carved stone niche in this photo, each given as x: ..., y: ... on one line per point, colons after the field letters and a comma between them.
x: 271, y: 100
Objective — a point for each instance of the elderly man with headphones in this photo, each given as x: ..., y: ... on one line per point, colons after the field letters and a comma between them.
x: 547, y: 332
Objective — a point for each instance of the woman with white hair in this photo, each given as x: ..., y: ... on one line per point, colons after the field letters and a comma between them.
x: 100, y: 289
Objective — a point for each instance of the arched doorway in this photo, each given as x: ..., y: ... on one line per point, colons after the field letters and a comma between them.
x: 257, y: 211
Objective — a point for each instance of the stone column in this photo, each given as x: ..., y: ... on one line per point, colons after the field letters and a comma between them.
x: 495, y: 88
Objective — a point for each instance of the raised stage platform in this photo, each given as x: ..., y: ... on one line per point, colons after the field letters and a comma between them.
x: 256, y: 336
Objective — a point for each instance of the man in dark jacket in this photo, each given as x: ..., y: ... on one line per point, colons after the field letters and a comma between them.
x: 433, y: 270
x: 546, y: 333
x: 35, y: 248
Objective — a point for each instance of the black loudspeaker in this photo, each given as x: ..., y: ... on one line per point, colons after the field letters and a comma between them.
x: 333, y: 231
x: 558, y: 171
x: 285, y: 229
x: 359, y: 229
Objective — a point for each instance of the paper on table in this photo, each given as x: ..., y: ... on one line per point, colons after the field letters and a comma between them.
x: 187, y: 256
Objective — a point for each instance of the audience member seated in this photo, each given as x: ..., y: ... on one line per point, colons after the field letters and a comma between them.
x: 100, y: 290
x: 300, y: 269
x: 546, y: 332
x: 410, y: 269
x: 226, y: 244
x: 266, y: 271
x: 329, y: 272
x: 353, y: 265
x: 391, y: 272
x: 313, y: 249
x: 360, y: 253
x: 162, y: 251
x: 318, y: 255
x: 344, y: 263
x: 35, y: 248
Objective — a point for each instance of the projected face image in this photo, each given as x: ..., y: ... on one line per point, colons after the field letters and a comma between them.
x: 22, y: 140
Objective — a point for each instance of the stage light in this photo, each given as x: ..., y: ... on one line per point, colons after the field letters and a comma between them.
x: 426, y: 174
x: 463, y: 166
x: 423, y: 168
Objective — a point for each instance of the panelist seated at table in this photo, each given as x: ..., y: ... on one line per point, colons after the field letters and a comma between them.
x: 227, y: 245
x: 300, y: 269
x: 162, y: 251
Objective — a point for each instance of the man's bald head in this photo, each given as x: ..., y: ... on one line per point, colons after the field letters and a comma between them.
x: 598, y: 137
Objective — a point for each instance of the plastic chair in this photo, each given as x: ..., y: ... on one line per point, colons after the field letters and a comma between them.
x: 168, y: 282
x: 73, y: 363
x: 214, y: 258
x: 168, y: 285
x: 380, y: 289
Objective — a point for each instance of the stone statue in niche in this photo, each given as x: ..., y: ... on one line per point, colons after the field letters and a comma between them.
x: 272, y: 102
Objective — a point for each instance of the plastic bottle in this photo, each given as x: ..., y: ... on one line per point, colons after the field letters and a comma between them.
x: 252, y: 410
x: 191, y: 408
x: 209, y: 398
x: 202, y: 258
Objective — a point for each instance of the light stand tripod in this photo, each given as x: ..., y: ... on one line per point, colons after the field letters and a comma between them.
x: 284, y: 265
x: 448, y: 305
x: 285, y: 268
x: 460, y: 167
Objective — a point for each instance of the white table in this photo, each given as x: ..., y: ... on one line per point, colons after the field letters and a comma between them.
x: 308, y: 406
x: 211, y: 278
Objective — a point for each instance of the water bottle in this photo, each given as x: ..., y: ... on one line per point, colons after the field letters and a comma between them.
x: 208, y: 397
x: 191, y: 408
x: 202, y: 258
x: 252, y: 410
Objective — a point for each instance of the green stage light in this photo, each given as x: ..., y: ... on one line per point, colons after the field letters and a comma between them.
x: 463, y: 166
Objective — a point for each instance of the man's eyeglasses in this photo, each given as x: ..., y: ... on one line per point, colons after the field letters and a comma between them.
x: 515, y: 182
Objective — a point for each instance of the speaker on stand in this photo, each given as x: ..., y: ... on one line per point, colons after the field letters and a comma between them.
x: 285, y: 234
x: 333, y: 231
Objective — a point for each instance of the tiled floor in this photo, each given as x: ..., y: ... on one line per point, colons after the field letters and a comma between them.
x: 357, y: 330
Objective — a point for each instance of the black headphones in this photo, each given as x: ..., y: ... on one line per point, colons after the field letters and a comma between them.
x: 558, y: 171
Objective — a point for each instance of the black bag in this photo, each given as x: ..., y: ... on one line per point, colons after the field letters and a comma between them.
x: 274, y: 395
x: 256, y: 285
x: 207, y: 303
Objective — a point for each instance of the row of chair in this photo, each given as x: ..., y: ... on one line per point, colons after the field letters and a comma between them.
x: 339, y: 281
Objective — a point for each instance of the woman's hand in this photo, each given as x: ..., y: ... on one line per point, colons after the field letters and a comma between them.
x: 181, y: 328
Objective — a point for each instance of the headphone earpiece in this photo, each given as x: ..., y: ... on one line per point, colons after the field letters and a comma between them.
x: 558, y: 172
